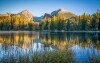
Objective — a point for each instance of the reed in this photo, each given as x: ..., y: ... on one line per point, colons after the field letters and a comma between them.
x: 55, y: 56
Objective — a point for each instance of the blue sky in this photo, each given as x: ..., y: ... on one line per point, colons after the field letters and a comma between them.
x: 39, y: 7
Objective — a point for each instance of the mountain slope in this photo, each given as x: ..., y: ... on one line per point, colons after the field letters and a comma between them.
x: 46, y: 15
x: 26, y: 14
x: 63, y: 12
x: 37, y: 19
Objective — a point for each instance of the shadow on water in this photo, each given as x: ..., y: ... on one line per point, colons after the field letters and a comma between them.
x: 16, y: 45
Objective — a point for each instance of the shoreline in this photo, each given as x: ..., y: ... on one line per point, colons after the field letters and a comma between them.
x: 46, y: 31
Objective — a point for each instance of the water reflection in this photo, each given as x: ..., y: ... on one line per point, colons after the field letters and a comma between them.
x: 22, y: 44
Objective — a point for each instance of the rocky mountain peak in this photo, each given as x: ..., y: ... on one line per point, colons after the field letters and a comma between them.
x: 26, y: 14
x: 25, y: 11
x: 46, y: 15
x: 63, y: 12
x: 61, y: 9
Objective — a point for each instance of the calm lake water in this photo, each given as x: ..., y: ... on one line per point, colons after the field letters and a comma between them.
x: 25, y: 44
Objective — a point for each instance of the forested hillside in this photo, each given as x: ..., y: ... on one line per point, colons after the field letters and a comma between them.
x: 84, y: 22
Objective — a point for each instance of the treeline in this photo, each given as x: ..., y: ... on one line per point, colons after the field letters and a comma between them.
x: 17, y: 23
x: 83, y: 22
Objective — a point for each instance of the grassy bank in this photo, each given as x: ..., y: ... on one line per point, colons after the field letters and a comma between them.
x: 56, y: 56
x: 45, y: 57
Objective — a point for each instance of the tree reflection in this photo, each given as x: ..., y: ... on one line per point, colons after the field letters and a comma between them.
x: 55, y: 40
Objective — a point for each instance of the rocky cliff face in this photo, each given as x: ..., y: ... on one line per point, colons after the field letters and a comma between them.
x: 64, y: 12
x: 46, y: 15
x: 26, y: 14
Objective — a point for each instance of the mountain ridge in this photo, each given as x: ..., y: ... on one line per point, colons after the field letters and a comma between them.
x: 58, y: 12
x: 63, y: 12
x: 25, y: 13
